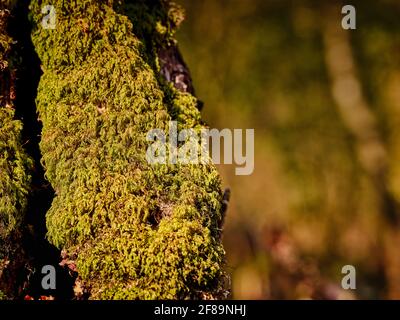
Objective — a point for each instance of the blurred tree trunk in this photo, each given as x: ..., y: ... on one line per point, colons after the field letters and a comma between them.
x: 362, y: 125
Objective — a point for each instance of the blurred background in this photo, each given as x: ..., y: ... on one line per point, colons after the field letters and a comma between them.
x: 325, y: 106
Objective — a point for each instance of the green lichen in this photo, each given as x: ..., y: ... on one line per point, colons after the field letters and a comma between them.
x: 138, y: 231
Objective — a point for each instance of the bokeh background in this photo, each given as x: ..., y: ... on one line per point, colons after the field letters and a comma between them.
x: 325, y: 106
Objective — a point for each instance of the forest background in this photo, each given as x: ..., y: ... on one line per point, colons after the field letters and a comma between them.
x: 325, y: 106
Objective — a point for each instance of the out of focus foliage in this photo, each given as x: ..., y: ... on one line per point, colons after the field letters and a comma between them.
x: 312, y: 205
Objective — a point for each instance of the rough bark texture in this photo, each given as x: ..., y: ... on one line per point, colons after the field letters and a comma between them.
x: 130, y: 230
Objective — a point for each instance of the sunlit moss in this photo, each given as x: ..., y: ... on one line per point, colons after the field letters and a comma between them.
x: 139, y: 231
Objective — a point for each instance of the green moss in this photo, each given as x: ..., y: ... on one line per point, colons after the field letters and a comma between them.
x: 15, y: 181
x: 15, y: 165
x: 155, y: 21
x: 139, y: 231
x: 2, y: 295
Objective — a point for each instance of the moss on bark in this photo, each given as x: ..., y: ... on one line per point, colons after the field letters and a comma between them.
x: 134, y: 231
x: 15, y: 167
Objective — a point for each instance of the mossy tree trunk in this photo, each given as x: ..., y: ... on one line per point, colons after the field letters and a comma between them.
x: 15, y: 169
x: 128, y: 229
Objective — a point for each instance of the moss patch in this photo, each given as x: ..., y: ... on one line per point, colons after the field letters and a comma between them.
x: 15, y: 165
x: 98, y: 97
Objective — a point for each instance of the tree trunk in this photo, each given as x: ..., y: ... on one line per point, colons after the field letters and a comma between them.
x: 127, y: 229
x: 15, y: 167
x: 361, y: 123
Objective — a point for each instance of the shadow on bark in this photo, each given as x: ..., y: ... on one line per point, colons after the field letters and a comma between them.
x: 38, y: 249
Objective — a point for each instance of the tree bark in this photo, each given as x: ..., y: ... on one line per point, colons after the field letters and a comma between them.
x: 127, y: 229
